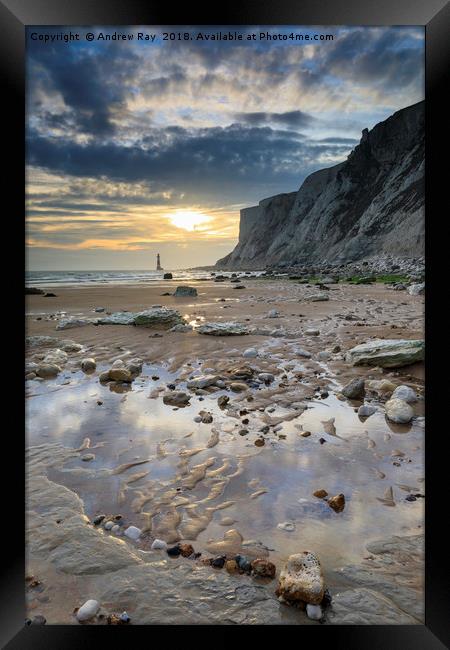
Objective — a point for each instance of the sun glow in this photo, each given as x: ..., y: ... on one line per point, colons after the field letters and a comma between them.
x: 189, y: 220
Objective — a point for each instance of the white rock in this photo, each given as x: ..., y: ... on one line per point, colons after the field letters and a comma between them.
x: 58, y: 357
x: 273, y: 313
x: 399, y: 411
x: 314, y: 612
x: 416, y: 289
x: 405, y: 393
x: 69, y: 323
x: 250, y: 353
x: 387, y: 353
x: 115, y: 529
x: 312, y: 332
x: 88, y: 610
x: 203, y: 381
x: 133, y: 532
x: 159, y: 544
x: 124, y: 617
x: 108, y: 525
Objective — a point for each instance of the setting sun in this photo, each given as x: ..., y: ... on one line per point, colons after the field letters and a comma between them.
x: 189, y: 219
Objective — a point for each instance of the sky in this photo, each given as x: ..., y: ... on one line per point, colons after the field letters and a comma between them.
x: 135, y: 148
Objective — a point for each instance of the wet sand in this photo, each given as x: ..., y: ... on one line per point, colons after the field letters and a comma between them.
x: 178, y: 479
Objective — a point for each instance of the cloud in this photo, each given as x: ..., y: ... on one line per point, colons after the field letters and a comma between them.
x: 289, y: 118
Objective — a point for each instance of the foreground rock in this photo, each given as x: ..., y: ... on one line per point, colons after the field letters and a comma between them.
x: 387, y: 353
x: 302, y: 579
x: 399, y: 411
x: 88, y: 610
x: 176, y: 398
x: 162, y: 317
x: 184, y: 290
x: 223, y: 329
x: 355, y: 389
x: 70, y: 323
x: 405, y: 393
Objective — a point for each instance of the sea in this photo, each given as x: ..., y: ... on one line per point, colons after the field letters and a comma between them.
x: 82, y: 278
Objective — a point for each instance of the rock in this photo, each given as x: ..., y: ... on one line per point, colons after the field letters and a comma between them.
x: 87, y: 457
x: 167, y: 276
x: 366, y: 410
x: 416, y: 289
x: 206, y: 417
x: 133, y: 532
x: 238, y: 386
x: 305, y: 434
x: 387, y: 353
x: 98, y: 519
x: 159, y: 545
x: 174, y: 551
x: 181, y: 327
x: 176, y: 398
x: 88, y: 365
x: 48, y: 370
x: 88, y: 610
x: 355, y: 389
x: 118, y: 318
x: 104, y: 377
x: 38, y: 620
x: 203, y: 381
x: 125, y: 618
x: 158, y: 317
x: 318, y: 297
x: 223, y: 329
x: 118, y: 363
x: 250, y: 353
x: 243, y: 563
x: 273, y: 313
x: 302, y: 353
x: 70, y: 323
x: 337, y: 503
x: 99, y: 310
x: 232, y: 566
x: 184, y: 290
x: 312, y: 332
x: 320, y: 494
x: 314, y: 612
x: 116, y: 529
x: 186, y: 550
x: 266, y: 377
x: 57, y: 357
x: 134, y: 366
x: 108, y: 525
x: 363, y: 606
x: 263, y: 568
x: 399, y: 411
x: 260, y: 442
x: 70, y: 346
x: 218, y: 562
x: 120, y: 374
x: 222, y: 401
x: 288, y: 526
x: 405, y: 393
x: 381, y: 386
x: 30, y: 375
x: 302, y: 579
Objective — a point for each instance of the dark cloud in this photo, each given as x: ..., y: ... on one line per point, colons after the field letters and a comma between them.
x: 290, y: 118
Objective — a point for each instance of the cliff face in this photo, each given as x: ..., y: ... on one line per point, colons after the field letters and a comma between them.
x: 373, y: 203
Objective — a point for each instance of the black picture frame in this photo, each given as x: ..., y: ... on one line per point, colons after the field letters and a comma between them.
x: 15, y: 16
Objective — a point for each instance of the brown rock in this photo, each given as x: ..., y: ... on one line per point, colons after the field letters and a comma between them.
x: 320, y: 494
x: 302, y: 579
x: 263, y: 568
x: 259, y: 442
x: 186, y: 550
x: 222, y: 401
x: 337, y: 502
x: 305, y: 434
x: 231, y: 566
x: 120, y: 374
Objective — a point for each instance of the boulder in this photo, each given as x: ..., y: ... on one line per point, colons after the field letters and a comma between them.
x: 158, y: 317
x: 387, y: 353
x: 184, y: 290
x: 203, y: 381
x: 416, y: 289
x: 302, y: 579
x: 88, y: 610
x: 399, y: 411
x: 120, y: 374
x: 223, y: 329
x: 167, y: 276
x: 118, y: 318
x: 355, y: 389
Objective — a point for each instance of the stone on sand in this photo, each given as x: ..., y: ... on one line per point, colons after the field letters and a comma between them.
x: 355, y: 389
x: 176, y: 398
x: 302, y: 579
x: 184, y: 290
x: 405, y: 393
x: 387, y: 353
x: 399, y: 411
x: 229, y: 328
x: 88, y: 365
x: 88, y: 610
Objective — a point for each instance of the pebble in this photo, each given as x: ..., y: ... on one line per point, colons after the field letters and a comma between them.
x: 159, y: 545
x: 288, y: 526
x: 263, y: 568
x: 366, y: 411
x: 109, y: 525
x: 337, y: 503
x: 174, y: 551
x: 398, y: 411
x: 312, y: 332
x: 88, y: 365
x: 186, y: 550
x: 125, y: 618
x: 88, y: 610
x: 314, y: 612
x: 218, y: 562
x: 88, y: 457
x: 355, y: 389
x: 98, y: 519
x: 231, y: 566
x: 320, y: 494
x: 405, y: 393
x: 133, y: 532
x: 243, y: 563
x: 250, y: 353
x: 115, y: 529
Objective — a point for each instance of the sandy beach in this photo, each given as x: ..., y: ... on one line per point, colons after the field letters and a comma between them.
x: 228, y: 479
